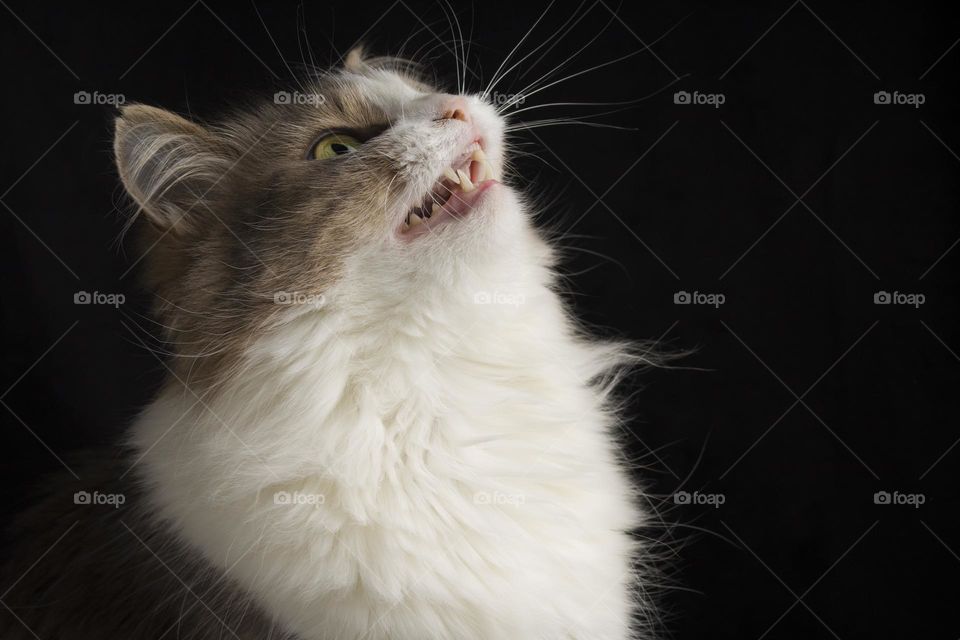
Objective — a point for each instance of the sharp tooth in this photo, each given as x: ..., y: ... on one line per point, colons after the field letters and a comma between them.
x: 465, y: 183
x: 434, y: 208
x: 485, y: 173
x: 451, y: 175
x: 479, y: 155
x: 415, y: 220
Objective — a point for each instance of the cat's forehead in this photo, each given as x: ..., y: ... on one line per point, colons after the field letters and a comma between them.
x: 346, y: 99
x: 370, y: 98
x: 390, y: 90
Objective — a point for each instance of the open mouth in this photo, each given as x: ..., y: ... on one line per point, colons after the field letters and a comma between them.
x: 454, y: 194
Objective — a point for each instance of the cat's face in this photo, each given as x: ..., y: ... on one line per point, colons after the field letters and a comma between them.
x: 368, y: 178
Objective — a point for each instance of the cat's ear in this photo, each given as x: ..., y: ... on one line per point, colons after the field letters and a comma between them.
x: 354, y: 60
x: 358, y: 61
x: 167, y: 164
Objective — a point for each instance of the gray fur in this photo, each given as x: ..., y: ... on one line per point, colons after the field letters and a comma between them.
x: 92, y: 572
x: 98, y: 572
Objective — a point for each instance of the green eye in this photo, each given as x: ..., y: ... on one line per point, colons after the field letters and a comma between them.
x: 335, y: 144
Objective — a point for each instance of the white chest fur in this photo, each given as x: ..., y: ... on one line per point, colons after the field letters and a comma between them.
x: 446, y: 474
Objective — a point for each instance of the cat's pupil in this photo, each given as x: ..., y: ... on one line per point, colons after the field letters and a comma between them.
x: 339, y: 148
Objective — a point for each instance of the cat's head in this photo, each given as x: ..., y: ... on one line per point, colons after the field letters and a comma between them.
x: 367, y: 179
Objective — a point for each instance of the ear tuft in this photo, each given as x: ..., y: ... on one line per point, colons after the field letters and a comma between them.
x: 167, y: 164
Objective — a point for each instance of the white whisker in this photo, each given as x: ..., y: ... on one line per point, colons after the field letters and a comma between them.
x: 523, y: 94
x: 494, y: 80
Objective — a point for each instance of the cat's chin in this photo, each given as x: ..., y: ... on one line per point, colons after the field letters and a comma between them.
x: 454, y: 210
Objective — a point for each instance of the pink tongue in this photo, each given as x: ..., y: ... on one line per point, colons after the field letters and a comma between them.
x: 459, y: 203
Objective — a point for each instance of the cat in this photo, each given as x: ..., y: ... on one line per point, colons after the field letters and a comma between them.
x: 379, y: 421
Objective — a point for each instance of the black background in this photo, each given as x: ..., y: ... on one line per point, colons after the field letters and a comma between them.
x: 693, y: 198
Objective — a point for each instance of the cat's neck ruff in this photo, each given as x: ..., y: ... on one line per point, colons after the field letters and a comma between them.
x: 358, y: 440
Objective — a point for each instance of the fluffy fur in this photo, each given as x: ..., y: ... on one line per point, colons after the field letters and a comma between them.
x: 422, y: 452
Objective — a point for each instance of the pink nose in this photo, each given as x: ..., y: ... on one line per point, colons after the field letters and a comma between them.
x: 454, y: 108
